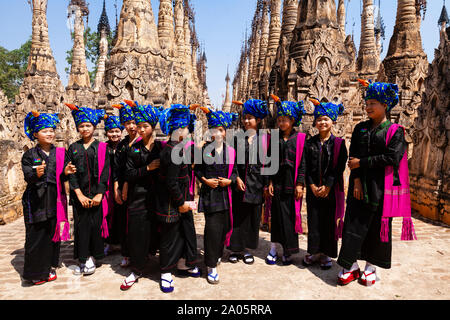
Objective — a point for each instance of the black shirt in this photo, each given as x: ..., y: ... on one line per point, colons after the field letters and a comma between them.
x: 214, y: 200
x: 284, y: 180
x: 141, y: 181
x: 369, y: 145
x: 39, y: 198
x: 319, y: 161
x: 87, y: 177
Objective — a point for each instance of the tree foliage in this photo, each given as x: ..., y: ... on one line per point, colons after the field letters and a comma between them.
x: 13, y: 65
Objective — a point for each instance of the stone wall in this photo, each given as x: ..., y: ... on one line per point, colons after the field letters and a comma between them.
x: 12, y: 183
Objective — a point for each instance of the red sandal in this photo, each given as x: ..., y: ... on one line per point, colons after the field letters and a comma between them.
x: 127, y: 285
x: 355, y: 274
x: 366, y: 282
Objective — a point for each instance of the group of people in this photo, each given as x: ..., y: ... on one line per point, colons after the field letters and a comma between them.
x: 132, y: 192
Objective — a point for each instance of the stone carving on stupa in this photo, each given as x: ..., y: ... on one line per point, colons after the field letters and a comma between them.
x: 430, y: 164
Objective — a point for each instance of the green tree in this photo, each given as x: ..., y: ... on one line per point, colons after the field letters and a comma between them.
x: 91, y: 42
x: 13, y: 65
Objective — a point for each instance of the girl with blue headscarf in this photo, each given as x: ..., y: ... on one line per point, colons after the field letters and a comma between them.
x: 113, y: 130
x: 326, y: 157
x: 89, y: 189
x: 371, y: 152
x: 44, y: 200
x: 174, y: 197
x: 141, y: 173
x: 248, y: 192
x: 217, y: 173
x: 286, y: 186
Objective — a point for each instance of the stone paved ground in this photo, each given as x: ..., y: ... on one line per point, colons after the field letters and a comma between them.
x: 420, y: 271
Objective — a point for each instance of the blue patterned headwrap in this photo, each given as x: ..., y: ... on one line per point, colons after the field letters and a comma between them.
x: 295, y: 110
x: 85, y: 114
x: 331, y: 110
x: 35, y: 121
x: 113, y: 122
x: 126, y: 112
x: 256, y: 108
x: 219, y: 118
x: 175, y: 117
x: 386, y: 93
x: 147, y: 113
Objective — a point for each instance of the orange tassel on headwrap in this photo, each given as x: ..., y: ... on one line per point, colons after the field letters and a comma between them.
x: 275, y: 98
x: 314, y: 101
x: 363, y: 82
x: 72, y: 106
x: 130, y: 103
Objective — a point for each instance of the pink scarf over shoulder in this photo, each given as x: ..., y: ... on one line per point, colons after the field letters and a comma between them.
x: 338, y: 192
x: 108, y: 196
x: 61, y: 200
x: 397, y: 201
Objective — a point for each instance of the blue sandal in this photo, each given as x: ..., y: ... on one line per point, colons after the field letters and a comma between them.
x: 212, y: 279
x: 165, y: 289
x: 273, y: 259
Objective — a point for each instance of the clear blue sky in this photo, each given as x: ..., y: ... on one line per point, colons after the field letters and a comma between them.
x: 220, y: 27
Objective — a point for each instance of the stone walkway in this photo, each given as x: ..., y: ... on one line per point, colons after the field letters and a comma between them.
x: 419, y: 271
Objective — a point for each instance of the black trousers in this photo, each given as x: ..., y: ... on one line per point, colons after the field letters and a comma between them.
x: 41, y: 253
x: 139, y: 235
x: 178, y: 240
x: 283, y: 223
x: 246, y: 219
x: 361, y: 237
x: 217, y: 224
x: 88, y: 239
x: 321, y: 224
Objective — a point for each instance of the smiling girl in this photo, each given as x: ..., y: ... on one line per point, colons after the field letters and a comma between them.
x: 378, y: 188
x: 87, y: 188
x: 44, y: 200
x: 286, y: 186
x: 326, y: 157
x: 249, y: 189
x: 141, y: 174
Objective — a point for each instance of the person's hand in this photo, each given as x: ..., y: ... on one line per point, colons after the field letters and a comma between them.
x: 357, y: 189
x: 70, y: 169
x: 125, y: 191
x: 268, y: 192
x: 323, y: 191
x: 212, y: 183
x: 40, y: 169
x: 240, y: 184
x: 224, y: 182
x: 117, y: 194
x: 85, y: 201
x: 97, y: 199
x: 298, y: 192
x: 184, y: 208
x: 314, y: 190
x: 353, y: 163
x: 153, y: 165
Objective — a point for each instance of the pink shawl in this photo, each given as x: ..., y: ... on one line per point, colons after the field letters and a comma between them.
x: 397, y: 202
x: 301, y: 137
x: 338, y: 192
x: 268, y: 201
x: 231, y: 155
x: 61, y: 200
x: 108, y: 196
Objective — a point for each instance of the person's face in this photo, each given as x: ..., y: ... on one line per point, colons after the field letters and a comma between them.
x: 375, y: 109
x: 130, y: 126
x: 250, y: 122
x: 324, y: 124
x: 144, y: 129
x: 45, y: 136
x: 114, y: 135
x: 285, y: 123
x: 86, y: 130
x: 218, y: 134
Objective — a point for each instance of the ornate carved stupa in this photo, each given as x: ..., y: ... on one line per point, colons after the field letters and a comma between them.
x: 430, y: 164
